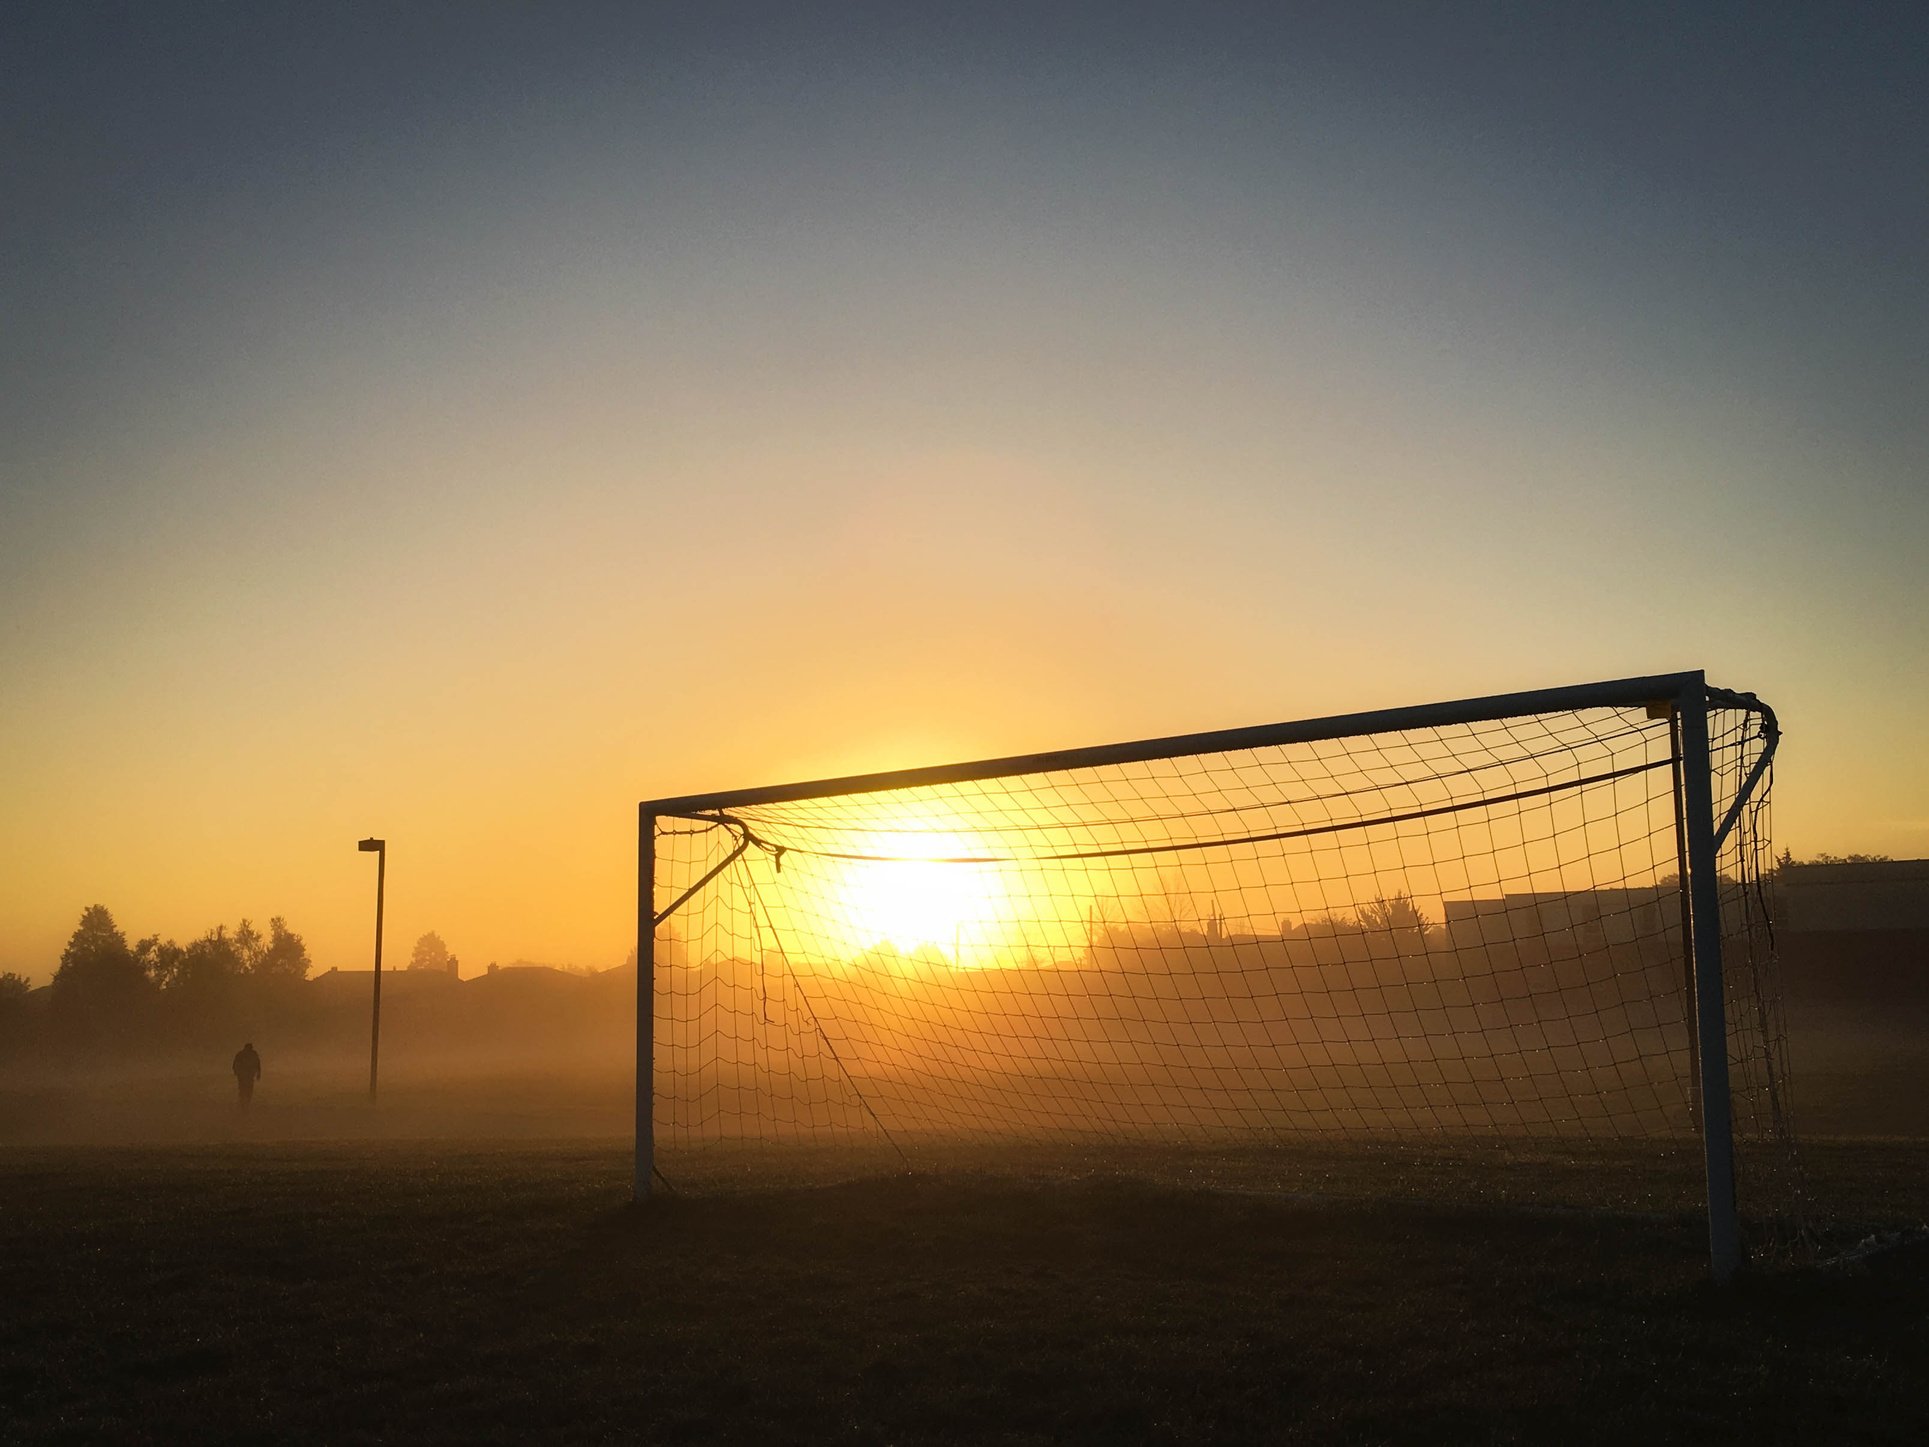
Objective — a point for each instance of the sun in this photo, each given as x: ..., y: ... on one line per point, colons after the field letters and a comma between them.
x: 917, y: 902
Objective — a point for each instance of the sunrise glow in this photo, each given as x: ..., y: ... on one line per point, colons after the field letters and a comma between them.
x: 912, y: 904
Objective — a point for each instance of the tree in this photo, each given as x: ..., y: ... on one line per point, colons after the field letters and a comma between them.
x: 1395, y: 915
x: 430, y: 954
x: 159, y: 958
x: 14, y: 990
x: 248, y: 945
x: 1787, y: 859
x: 207, y: 963
x: 96, y: 944
x: 99, y: 985
x: 204, y: 987
x: 284, y: 957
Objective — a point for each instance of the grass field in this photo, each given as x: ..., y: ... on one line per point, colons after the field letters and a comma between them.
x: 445, y: 1292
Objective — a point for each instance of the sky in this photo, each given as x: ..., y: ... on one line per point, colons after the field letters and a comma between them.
x: 459, y: 422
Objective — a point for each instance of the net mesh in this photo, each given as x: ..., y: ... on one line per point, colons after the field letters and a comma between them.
x: 1772, y: 1191
x: 1461, y: 942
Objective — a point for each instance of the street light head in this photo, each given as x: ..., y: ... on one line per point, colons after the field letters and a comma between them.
x: 371, y: 846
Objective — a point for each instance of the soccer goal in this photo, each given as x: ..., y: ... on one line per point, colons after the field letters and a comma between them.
x: 1494, y: 942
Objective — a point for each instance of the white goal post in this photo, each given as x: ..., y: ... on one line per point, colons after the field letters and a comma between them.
x: 1498, y: 924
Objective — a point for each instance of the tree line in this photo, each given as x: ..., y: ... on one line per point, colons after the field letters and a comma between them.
x: 107, y: 990
x: 112, y: 998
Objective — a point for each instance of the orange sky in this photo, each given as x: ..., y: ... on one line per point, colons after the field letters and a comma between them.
x: 461, y: 462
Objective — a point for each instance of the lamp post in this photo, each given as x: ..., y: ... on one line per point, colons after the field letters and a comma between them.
x: 379, y: 848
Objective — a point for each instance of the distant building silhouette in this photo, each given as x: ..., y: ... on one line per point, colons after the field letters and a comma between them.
x: 1886, y: 894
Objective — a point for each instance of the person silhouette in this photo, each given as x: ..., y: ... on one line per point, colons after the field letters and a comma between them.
x: 247, y: 1070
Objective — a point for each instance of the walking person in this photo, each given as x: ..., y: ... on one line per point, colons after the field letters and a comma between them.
x: 247, y: 1070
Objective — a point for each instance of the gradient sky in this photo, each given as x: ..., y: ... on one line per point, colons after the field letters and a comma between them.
x: 459, y: 422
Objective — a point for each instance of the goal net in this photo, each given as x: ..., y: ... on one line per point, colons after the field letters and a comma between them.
x: 1449, y: 944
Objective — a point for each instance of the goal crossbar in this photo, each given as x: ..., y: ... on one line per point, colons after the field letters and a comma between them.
x: 1616, y: 693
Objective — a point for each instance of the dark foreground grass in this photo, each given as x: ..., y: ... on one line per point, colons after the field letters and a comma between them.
x: 447, y: 1293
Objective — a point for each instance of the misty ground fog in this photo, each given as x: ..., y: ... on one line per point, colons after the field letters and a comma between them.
x: 540, y: 1053
x: 516, y: 1054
